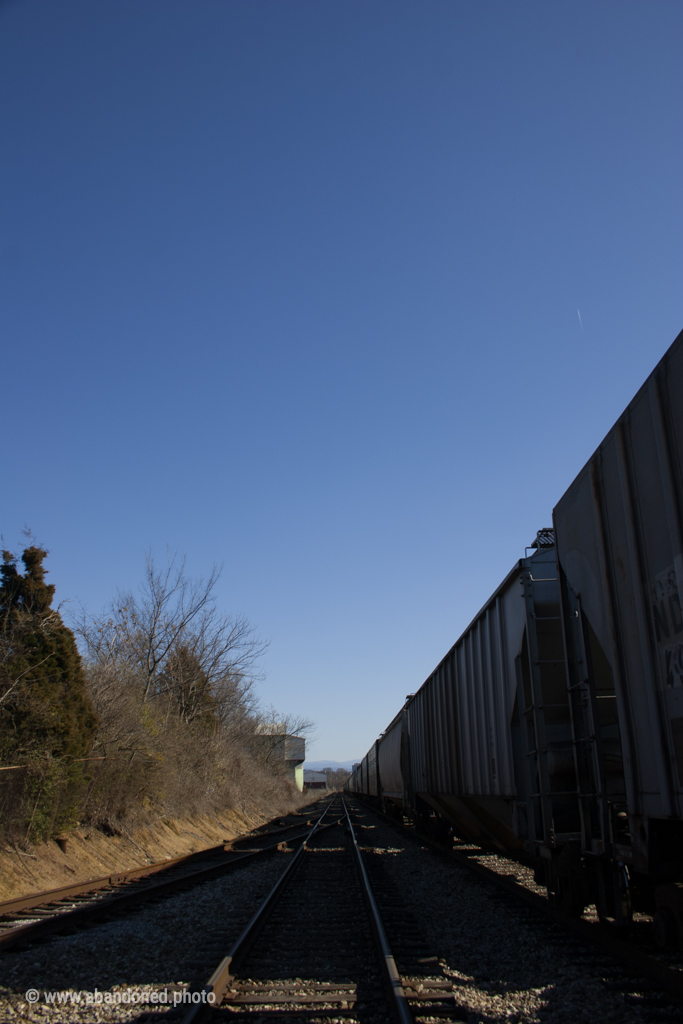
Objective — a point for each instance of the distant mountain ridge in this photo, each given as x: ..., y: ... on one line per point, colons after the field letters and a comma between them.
x: 316, y: 766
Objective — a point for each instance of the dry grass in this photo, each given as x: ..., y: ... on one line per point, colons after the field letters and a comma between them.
x: 155, y: 763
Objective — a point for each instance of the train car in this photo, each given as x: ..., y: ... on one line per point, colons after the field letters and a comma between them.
x: 392, y: 757
x: 489, y: 732
x: 554, y: 724
x: 372, y: 784
x: 485, y: 744
x: 351, y: 784
x: 364, y: 776
x: 619, y: 531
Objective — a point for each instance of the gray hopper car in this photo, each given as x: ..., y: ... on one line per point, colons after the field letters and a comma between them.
x: 554, y: 725
x: 619, y: 530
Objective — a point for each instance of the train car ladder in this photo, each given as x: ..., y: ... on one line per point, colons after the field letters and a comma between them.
x: 588, y: 759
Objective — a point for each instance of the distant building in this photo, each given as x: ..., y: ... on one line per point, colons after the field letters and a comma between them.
x: 314, y: 780
x: 289, y: 750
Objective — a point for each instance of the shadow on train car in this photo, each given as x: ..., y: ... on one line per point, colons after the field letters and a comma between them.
x: 553, y: 728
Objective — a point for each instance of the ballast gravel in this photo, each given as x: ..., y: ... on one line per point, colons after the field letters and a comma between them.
x: 142, y: 962
x: 502, y: 865
x: 507, y: 963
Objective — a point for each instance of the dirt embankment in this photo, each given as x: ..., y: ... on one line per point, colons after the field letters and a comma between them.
x: 88, y: 853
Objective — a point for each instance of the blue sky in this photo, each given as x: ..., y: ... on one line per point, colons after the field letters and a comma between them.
x: 293, y: 286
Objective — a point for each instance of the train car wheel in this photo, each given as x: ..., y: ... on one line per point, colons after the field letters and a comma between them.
x: 613, y: 895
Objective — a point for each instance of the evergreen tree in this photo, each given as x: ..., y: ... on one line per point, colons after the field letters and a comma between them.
x: 47, y: 722
x: 47, y: 706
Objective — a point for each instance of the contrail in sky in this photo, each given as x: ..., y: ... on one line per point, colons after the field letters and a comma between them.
x: 580, y: 320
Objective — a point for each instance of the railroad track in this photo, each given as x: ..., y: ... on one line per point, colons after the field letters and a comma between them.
x: 358, y: 926
x: 661, y: 972
x: 318, y: 947
x: 55, y: 911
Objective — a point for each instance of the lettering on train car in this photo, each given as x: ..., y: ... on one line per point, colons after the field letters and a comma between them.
x: 668, y: 619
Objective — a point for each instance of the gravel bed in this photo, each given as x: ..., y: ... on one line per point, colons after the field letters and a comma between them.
x: 507, y: 962
x: 524, y: 875
x: 502, y: 865
x: 153, y: 950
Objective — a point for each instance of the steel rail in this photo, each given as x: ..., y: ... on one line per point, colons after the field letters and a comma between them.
x: 78, y: 916
x: 219, y: 980
x: 399, y: 1000
x: 57, y: 920
x: 619, y: 949
x: 51, y: 896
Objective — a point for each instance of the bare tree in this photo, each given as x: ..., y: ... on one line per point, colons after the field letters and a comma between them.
x: 180, y: 645
x: 171, y: 680
x: 274, y: 722
x: 279, y: 738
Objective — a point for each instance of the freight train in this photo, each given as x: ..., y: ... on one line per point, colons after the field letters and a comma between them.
x: 553, y: 728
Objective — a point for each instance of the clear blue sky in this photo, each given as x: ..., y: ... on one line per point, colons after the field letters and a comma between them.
x: 293, y: 285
